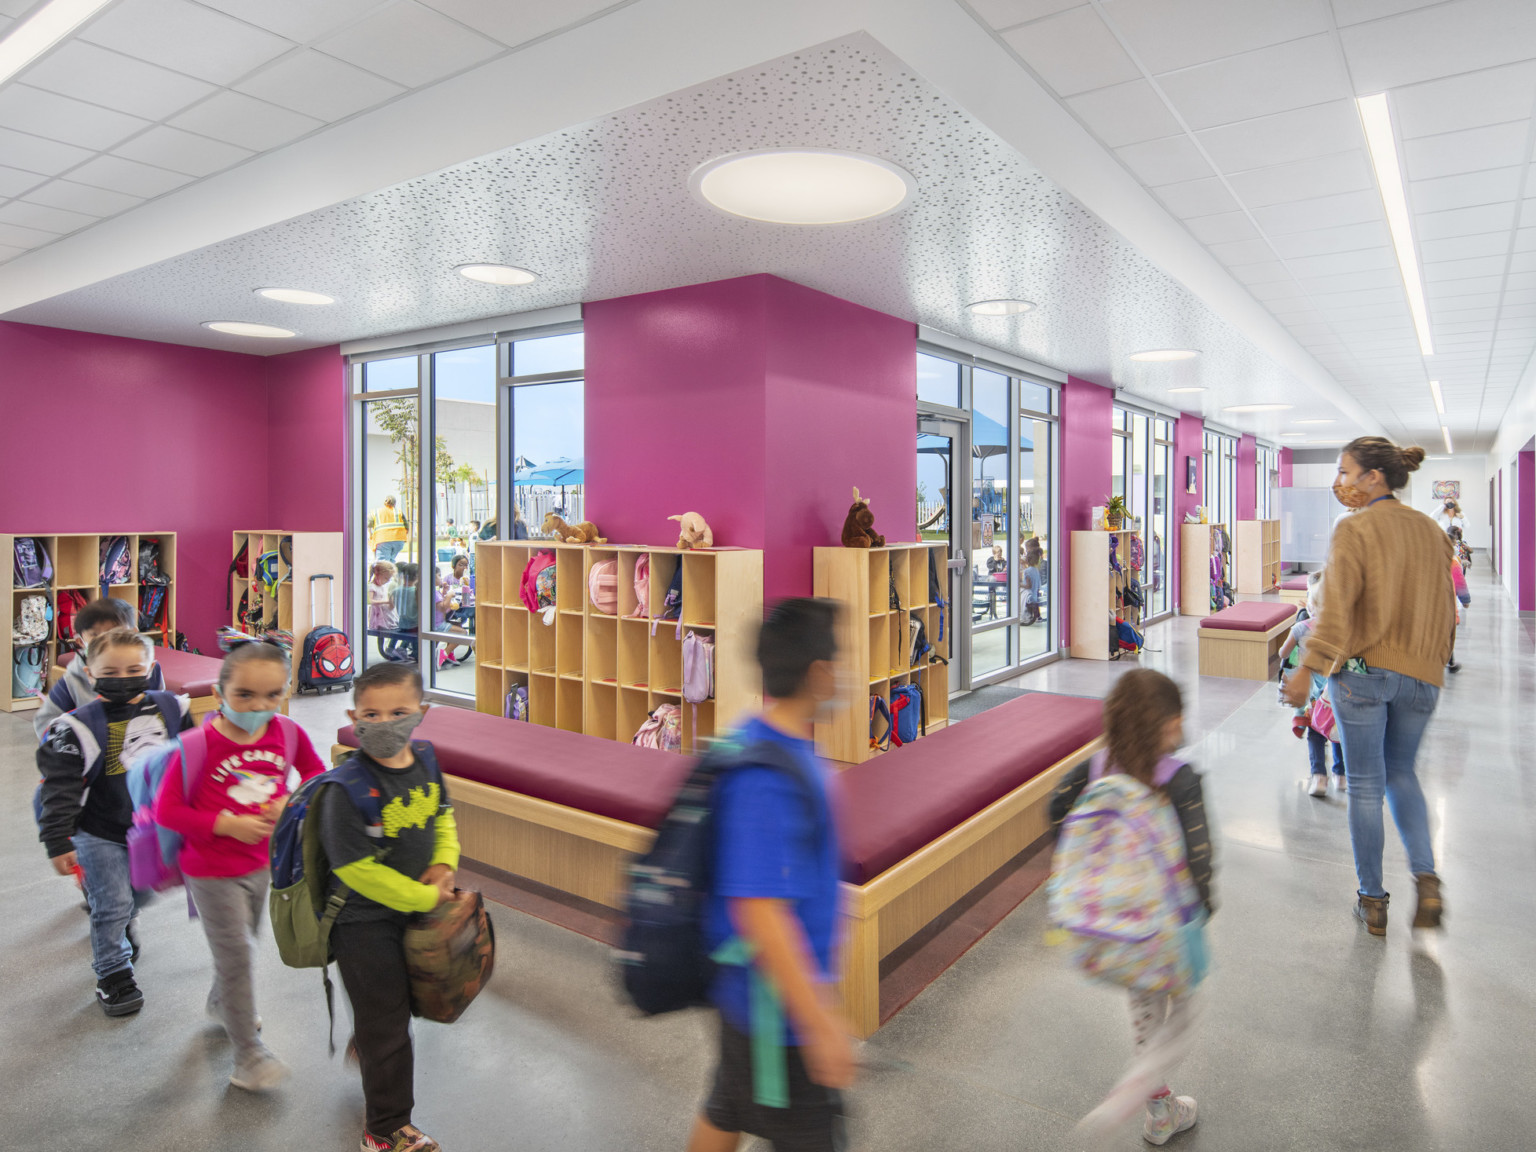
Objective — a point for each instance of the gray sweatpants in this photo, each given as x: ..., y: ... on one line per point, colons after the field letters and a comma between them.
x: 230, y: 909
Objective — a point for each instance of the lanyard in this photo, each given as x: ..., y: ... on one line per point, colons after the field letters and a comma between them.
x: 770, y: 1076
x: 1379, y: 499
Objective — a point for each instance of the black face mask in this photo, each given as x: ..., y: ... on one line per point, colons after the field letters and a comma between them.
x: 120, y: 689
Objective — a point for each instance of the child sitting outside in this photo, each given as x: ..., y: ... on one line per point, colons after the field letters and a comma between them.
x: 1143, y: 727
x: 407, y: 613
x: 1317, y: 744
x: 382, y: 616
x: 73, y: 689
x: 84, y: 807
x: 226, y: 821
x: 406, y: 865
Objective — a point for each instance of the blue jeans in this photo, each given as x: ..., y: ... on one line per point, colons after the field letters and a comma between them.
x: 389, y: 549
x: 113, y: 899
x: 1382, y: 716
x: 1317, y: 753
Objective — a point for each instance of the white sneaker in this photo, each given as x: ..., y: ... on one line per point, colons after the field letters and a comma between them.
x: 261, y: 1071
x: 1319, y: 786
x: 216, y: 1012
x: 1167, y: 1116
x: 1339, y: 782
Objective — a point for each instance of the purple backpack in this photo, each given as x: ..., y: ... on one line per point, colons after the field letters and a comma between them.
x: 31, y: 563
x: 116, y: 564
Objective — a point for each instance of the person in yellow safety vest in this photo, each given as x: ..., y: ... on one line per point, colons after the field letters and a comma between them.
x: 388, y: 530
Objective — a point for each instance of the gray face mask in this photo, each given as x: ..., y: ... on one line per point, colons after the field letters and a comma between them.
x: 383, y: 739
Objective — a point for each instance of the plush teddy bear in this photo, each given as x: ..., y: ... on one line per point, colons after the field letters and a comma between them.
x: 693, y: 532
x: 583, y: 533
x: 859, y: 527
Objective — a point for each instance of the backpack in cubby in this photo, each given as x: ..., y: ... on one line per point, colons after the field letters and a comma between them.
x: 603, y: 586
x: 642, y: 585
x: 538, y: 583
x: 149, y: 563
x: 116, y: 564
x: 32, y: 622
x: 662, y: 730
x: 517, y: 703
x: 31, y: 566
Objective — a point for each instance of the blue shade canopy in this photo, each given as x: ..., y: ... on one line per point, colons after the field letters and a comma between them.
x: 557, y: 473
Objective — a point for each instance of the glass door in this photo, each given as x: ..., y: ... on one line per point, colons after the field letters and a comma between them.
x: 941, y: 441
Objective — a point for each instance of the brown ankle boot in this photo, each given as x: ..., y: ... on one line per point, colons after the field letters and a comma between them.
x: 1431, y: 905
x: 1372, y: 912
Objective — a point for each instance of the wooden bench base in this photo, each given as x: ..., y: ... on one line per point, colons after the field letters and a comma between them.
x: 1242, y: 655
x: 1296, y: 596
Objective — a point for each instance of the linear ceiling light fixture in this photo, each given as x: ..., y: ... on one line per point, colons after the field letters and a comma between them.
x: 42, y: 30
x: 1258, y: 408
x: 1299, y: 422
x: 1376, y: 118
x: 1162, y: 355
x: 1434, y: 390
x: 1446, y: 434
x: 1191, y: 388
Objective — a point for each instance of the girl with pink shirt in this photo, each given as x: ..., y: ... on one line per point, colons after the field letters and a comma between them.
x: 252, y: 754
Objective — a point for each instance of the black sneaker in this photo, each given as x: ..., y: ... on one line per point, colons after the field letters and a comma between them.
x: 118, y: 995
x: 1453, y: 667
x: 132, y: 933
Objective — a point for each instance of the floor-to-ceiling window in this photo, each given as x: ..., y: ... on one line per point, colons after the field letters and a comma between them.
x: 1220, y: 479
x: 1159, y: 546
x: 1267, y: 482
x: 1141, y: 456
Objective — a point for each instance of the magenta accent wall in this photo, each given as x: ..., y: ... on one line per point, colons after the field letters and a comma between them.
x: 1525, y: 530
x: 1188, y: 441
x: 1247, y: 478
x: 756, y: 402
x: 1285, y: 468
x: 148, y: 436
x: 1087, y: 417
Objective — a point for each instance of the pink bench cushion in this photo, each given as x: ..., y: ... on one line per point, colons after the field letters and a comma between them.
x: 892, y: 805
x: 603, y: 777
x: 187, y: 672
x: 1250, y: 616
x: 1294, y: 583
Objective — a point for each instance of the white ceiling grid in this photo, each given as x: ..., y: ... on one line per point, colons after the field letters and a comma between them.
x: 1240, y: 118
x: 154, y: 94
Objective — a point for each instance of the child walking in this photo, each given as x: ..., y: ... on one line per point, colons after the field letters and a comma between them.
x: 84, y: 810
x: 1112, y: 879
x: 73, y: 689
x: 407, y: 613
x: 382, y: 616
x: 404, y: 865
x: 248, y: 753
x: 1317, y: 744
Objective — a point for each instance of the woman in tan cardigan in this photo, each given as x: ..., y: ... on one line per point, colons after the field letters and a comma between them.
x: 1383, y: 639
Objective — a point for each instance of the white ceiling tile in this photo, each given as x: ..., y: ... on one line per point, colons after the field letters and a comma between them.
x: 56, y: 117
x: 1466, y: 315
x: 1259, y: 273
x: 1171, y: 34
x: 1276, y: 293
x: 1276, y: 79
x: 18, y: 237
x: 186, y: 37
x: 1235, y: 252
x: 1439, y: 305
x: 1007, y: 13
x: 1125, y: 114
x: 1470, y: 150
x: 1357, y: 11
x: 7, y: 252
x: 35, y: 154
x: 1352, y: 281
x: 1467, y: 284
x: 1437, y: 41
x: 1464, y: 247
x: 1525, y: 240
x: 1171, y: 160
x: 409, y: 44
x: 1471, y: 100
x: 298, y: 20
x: 1464, y: 191
x: 128, y: 176
x: 14, y: 8
x: 1286, y: 136
x: 88, y: 72
x: 1320, y: 212
x: 1464, y: 221
x: 82, y: 198
x: 180, y: 151
x: 1520, y: 296
x: 1197, y: 197
x: 1523, y: 262
x: 1222, y: 227
x: 45, y: 218
x: 1073, y: 52
x: 1462, y: 269
x: 519, y: 21
x: 1309, y: 268
x: 1392, y: 294
x: 1348, y: 238
x: 1520, y: 280
x: 13, y: 181
x: 246, y: 121
x: 1304, y: 179
x: 319, y: 85
x: 1528, y: 211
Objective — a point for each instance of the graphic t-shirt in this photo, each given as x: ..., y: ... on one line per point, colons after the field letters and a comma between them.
x: 241, y: 779
x: 1031, y: 585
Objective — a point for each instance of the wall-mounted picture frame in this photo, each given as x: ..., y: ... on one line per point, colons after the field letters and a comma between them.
x: 1190, y: 484
x: 1448, y: 490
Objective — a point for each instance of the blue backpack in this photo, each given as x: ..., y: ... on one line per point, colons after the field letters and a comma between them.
x: 909, y: 714
x: 664, y: 964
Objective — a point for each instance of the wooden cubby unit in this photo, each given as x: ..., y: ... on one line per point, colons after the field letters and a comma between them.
x: 300, y: 556
x: 1257, y: 559
x: 1098, y: 592
x: 873, y: 637
x: 1197, y: 543
x: 603, y: 673
x: 75, y: 558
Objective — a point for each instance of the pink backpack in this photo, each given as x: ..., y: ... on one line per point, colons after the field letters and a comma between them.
x: 663, y: 729
x: 603, y: 586
x: 642, y: 585
x: 698, y: 667
x: 530, y: 584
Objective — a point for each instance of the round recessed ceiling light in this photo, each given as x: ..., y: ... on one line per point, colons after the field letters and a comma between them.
x: 1000, y: 307
x: 1192, y: 388
x: 241, y: 328
x: 802, y: 185
x: 1293, y: 435
x: 1301, y: 422
x: 295, y: 296
x: 1258, y: 407
x: 503, y: 275
x: 1162, y: 355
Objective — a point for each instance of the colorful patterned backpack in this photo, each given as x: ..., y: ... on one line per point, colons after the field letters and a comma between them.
x: 663, y: 729
x: 450, y: 953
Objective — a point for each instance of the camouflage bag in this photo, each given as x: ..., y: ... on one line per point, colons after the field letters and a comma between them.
x: 450, y: 953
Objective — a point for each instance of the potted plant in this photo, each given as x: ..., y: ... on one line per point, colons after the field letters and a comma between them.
x: 1114, y: 512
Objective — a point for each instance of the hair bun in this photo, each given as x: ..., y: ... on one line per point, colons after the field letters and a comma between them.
x: 1412, y: 458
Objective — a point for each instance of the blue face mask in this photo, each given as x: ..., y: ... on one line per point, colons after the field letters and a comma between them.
x: 252, y: 722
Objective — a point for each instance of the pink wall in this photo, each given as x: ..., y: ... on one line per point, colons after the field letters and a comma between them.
x: 1525, y: 530
x: 757, y: 403
x: 1087, y: 416
x: 1188, y: 443
x: 1247, y: 478
x: 1285, y: 468
x: 160, y: 437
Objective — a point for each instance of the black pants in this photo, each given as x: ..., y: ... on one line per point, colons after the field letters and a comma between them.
x: 371, y: 958
x: 813, y: 1122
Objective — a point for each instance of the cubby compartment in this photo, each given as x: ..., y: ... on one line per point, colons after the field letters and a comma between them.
x: 879, y: 582
x: 698, y: 588
x: 569, y: 710
x: 594, y: 557
x: 602, y: 711
x: 917, y: 578
x: 541, y: 699
x: 603, y: 649
x: 898, y: 582
x: 541, y: 644
x: 663, y: 568
x: 514, y: 637
x: 667, y: 662
x: 75, y: 562
x: 633, y: 709
x: 879, y: 642
x: 490, y: 690
x: 570, y: 580
x: 698, y: 727
x: 488, y: 636
x: 569, y: 643
x: 487, y: 577
x: 898, y: 653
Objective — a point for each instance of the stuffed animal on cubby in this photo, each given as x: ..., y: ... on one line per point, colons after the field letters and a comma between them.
x: 583, y: 533
x: 693, y: 532
x: 859, y: 527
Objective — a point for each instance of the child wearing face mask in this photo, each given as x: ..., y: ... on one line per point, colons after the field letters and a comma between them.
x: 73, y: 689
x: 84, y: 810
x: 250, y: 756
x: 404, y: 864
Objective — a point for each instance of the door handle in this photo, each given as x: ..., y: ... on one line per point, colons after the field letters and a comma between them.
x: 959, y: 565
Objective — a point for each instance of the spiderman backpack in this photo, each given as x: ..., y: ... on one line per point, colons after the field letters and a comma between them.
x: 326, y: 664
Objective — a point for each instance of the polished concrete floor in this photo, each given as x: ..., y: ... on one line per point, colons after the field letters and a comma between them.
x: 1316, y: 1037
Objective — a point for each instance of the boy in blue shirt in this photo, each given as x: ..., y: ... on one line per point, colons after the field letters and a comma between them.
x: 775, y: 889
